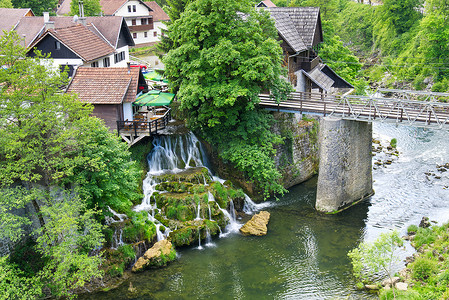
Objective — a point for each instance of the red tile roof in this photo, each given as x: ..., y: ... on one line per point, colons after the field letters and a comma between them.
x: 105, y: 85
x: 82, y: 41
x: 158, y: 13
x: 10, y: 17
x: 32, y: 27
x: 109, y: 7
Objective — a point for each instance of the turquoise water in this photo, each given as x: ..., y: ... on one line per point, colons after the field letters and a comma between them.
x: 304, y: 254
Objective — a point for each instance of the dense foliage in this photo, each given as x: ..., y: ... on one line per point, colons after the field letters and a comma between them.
x: 91, y: 8
x: 429, y: 271
x: 37, y: 6
x: 58, y: 161
x: 6, y: 3
x: 224, y: 54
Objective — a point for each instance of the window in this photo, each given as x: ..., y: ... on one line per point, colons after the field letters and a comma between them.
x: 119, y: 57
x: 144, y: 21
x: 57, y: 45
x: 134, y: 35
x: 94, y: 64
x: 106, y: 62
x: 155, y: 33
x: 145, y: 34
x: 134, y: 8
x: 129, y: 8
x: 133, y: 22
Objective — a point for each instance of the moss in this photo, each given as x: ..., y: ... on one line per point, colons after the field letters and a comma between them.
x: 139, y: 228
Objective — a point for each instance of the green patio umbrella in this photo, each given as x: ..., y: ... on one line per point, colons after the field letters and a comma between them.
x: 154, y: 98
x: 155, y: 76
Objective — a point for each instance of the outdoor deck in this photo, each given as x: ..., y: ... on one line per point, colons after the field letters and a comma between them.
x: 144, y: 124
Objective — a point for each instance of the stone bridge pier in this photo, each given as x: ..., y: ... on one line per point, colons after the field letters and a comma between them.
x: 345, y: 170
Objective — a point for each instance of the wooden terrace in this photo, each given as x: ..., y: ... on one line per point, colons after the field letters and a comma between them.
x: 144, y: 124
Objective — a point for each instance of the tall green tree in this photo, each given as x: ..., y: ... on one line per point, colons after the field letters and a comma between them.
x: 91, y: 8
x: 218, y: 71
x: 6, y: 3
x: 37, y: 6
x: 49, y: 138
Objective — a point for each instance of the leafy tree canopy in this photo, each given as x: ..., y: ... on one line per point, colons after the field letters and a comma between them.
x: 91, y: 8
x: 225, y: 53
x: 37, y: 6
x: 48, y: 137
x: 6, y: 3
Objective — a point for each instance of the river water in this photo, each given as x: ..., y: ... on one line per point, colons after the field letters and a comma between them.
x: 304, y: 254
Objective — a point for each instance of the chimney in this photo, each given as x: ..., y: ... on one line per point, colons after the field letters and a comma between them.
x: 129, y: 67
x: 82, y: 21
x: 81, y: 8
x: 46, y: 16
x: 49, y: 25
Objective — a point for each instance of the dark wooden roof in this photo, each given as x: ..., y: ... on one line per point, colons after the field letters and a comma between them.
x: 105, y: 85
x: 304, y: 25
x: 81, y: 40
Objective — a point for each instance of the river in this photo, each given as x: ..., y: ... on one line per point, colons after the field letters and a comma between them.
x: 304, y: 254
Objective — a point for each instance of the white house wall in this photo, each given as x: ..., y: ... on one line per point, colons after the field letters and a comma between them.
x: 141, y: 10
x: 127, y: 111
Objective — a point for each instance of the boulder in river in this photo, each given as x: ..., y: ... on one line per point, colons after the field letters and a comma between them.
x: 257, y: 225
x: 159, y: 255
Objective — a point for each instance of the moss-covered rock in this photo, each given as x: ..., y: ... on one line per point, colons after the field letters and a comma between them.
x: 159, y: 255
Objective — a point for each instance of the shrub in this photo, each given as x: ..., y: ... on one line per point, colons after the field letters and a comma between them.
x: 422, y: 268
x: 424, y: 236
x: 412, y: 228
x: 393, y: 142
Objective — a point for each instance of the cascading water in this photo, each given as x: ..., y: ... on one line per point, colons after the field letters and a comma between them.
x: 198, y: 217
x: 199, y: 240
x: 209, y: 242
x: 250, y: 207
x: 173, y: 155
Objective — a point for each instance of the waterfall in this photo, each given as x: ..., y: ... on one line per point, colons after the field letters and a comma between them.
x: 250, y: 207
x: 199, y: 240
x: 159, y: 234
x: 117, y: 240
x: 210, y: 214
x: 232, y: 209
x: 198, y: 217
x: 209, y: 242
x: 118, y: 217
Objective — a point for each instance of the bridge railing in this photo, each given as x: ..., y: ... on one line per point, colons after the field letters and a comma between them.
x: 364, y: 108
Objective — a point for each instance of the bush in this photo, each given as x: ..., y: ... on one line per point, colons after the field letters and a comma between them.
x: 424, y: 236
x: 441, y: 86
x: 400, y: 295
x: 393, y: 142
x: 412, y: 228
x: 423, y: 267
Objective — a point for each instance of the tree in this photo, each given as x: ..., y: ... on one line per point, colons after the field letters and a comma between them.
x: 224, y: 54
x: 37, y: 6
x: 66, y: 243
x: 377, y: 257
x: 6, y: 3
x: 48, y: 137
x: 91, y: 8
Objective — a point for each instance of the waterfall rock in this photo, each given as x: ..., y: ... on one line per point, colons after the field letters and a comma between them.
x: 160, y: 254
x: 257, y: 225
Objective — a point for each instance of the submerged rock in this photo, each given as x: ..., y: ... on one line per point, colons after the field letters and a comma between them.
x: 159, y: 255
x: 257, y: 225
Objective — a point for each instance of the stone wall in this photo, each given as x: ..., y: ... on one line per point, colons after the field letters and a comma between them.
x: 297, y: 158
x: 345, y: 163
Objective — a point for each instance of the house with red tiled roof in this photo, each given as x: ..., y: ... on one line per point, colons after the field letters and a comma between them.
x: 78, y: 45
x: 10, y: 17
x: 144, y: 19
x: 111, y: 91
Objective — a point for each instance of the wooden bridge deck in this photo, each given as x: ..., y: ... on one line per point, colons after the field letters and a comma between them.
x: 367, y: 109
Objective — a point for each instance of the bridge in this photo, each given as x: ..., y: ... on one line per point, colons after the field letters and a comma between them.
x: 414, y: 108
x: 345, y: 135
